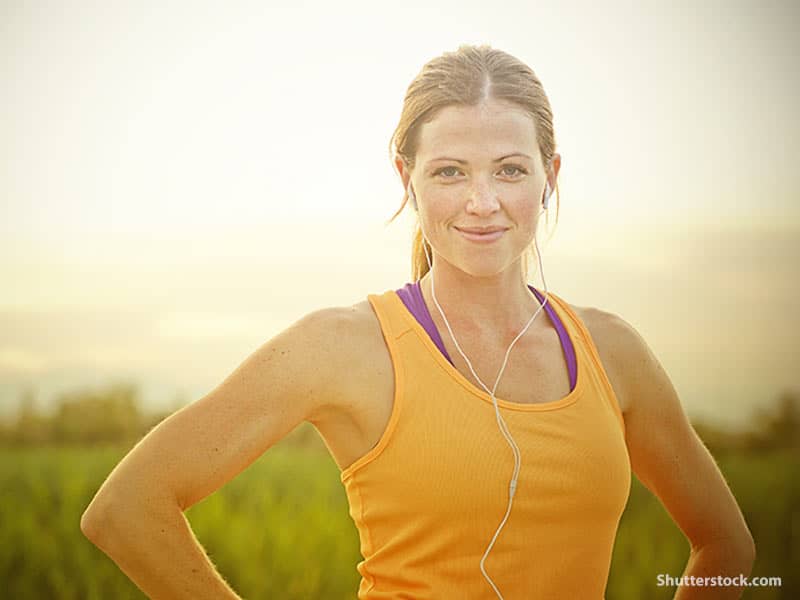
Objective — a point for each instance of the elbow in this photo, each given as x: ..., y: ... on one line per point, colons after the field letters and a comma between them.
x: 734, y: 550
x: 89, y: 525
x: 95, y: 519
x: 94, y: 522
x: 746, y: 546
x: 746, y: 556
x: 749, y: 548
x: 110, y: 519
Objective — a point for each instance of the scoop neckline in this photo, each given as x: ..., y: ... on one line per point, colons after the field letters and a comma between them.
x: 455, y: 374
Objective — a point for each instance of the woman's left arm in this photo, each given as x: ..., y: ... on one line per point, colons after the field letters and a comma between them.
x: 669, y: 458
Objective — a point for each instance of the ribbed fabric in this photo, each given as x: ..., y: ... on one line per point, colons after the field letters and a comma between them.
x: 428, y: 498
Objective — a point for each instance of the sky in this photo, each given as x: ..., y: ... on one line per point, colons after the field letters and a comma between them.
x: 180, y: 181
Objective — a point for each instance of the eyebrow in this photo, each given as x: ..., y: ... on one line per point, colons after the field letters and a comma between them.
x: 463, y: 162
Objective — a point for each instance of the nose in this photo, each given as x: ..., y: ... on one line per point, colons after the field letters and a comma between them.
x: 482, y: 200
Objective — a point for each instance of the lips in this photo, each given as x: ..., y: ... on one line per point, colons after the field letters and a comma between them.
x: 492, y: 229
x: 484, y: 236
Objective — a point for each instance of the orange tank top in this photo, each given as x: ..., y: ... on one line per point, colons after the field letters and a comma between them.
x: 429, y: 497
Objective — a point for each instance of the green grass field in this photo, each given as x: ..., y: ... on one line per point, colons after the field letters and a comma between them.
x: 281, y: 529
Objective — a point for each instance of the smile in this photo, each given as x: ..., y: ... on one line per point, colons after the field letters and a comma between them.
x: 482, y: 238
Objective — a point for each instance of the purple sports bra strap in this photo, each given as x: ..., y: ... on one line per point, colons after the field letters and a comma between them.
x: 411, y: 295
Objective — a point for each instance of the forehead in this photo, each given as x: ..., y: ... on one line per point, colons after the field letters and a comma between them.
x: 489, y: 127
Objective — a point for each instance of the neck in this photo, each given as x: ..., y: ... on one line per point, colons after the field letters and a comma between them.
x: 499, y: 303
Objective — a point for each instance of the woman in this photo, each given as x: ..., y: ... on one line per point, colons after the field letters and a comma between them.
x: 485, y: 430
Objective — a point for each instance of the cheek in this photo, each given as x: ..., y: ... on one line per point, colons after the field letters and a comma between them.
x: 428, y: 221
x: 527, y: 212
x: 440, y: 207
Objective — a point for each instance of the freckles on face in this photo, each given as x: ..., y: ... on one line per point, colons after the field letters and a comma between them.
x: 474, y: 158
x: 453, y: 205
x: 479, y: 167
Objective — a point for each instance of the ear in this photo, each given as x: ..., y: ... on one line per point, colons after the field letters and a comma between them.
x: 552, y: 174
x: 402, y: 170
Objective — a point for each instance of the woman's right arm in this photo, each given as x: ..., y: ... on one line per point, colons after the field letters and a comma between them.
x: 137, y: 516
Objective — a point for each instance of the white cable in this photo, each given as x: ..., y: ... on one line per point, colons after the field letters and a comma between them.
x: 501, y: 423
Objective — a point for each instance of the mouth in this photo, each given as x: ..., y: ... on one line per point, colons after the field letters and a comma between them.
x: 486, y: 237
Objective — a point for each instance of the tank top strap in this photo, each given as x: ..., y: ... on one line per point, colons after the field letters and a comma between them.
x: 592, y: 357
x: 389, y: 310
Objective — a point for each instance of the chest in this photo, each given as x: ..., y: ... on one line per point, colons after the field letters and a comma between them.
x: 356, y: 425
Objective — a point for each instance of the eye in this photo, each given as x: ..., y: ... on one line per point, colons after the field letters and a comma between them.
x: 519, y: 169
x: 443, y: 169
x: 508, y: 170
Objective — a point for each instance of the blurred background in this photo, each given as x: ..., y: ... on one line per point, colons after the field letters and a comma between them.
x: 181, y: 181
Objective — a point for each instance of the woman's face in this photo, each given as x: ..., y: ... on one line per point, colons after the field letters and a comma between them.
x: 479, y: 167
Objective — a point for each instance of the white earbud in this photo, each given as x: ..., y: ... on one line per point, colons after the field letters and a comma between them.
x: 411, y: 197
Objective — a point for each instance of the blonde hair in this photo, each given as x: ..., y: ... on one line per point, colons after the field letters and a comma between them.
x: 466, y: 77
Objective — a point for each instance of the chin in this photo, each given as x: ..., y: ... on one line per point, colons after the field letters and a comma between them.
x: 485, y: 268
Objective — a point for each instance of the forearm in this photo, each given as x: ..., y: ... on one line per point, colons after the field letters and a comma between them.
x: 159, y: 552
x: 722, y: 559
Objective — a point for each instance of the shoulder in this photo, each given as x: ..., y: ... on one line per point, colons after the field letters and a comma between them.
x: 357, y: 325
x: 367, y: 336
x: 348, y: 324
x: 355, y: 346
x: 605, y: 326
x: 352, y: 332
x: 620, y: 347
